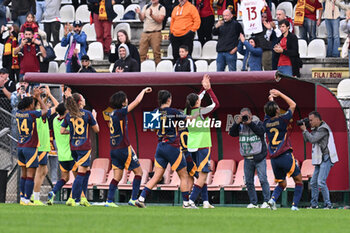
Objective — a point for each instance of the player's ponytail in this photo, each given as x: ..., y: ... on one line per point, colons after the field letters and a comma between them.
x: 163, y: 96
x: 191, y: 100
x: 72, y: 105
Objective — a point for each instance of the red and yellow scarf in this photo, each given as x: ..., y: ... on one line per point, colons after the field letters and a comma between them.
x: 10, y: 45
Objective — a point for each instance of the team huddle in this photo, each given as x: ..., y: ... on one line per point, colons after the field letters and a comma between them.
x: 188, y: 155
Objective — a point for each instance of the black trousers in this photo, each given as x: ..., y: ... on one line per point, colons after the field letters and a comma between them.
x: 204, y: 31
x: 177, y: 41
x: 54, y: 29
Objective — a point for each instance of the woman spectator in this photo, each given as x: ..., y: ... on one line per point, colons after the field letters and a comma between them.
x: 10, y: 61
x: 332, y: 19
x: 122, y: 38
x: 252, y: 53
x: 51, y: 20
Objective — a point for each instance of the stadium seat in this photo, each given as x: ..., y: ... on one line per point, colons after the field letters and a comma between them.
x: 173, y: 185
x: 119, y: 9
x: 316, y: 49
x: 165, y: 66
x: 105, y: 184
x: 209, y: 50
x: 220, y: 179
x: 238, y: 182
x: 60, y: 52
x: 103, y: 163
x: 132, y: 7
x: 148, y: 66
x: 288, y: 7
x: 240, y: 56
x: 90, y: 32
x: 111, y: 68
x: 62, y: 68
x: 307, y: 169
x: 95, y: 51
x: 83, y: 14
x: 226, y: 164
x: 197, y: 50
x: 53, y: 67
x: 302, y: 48
x: 97, y: 176
x: 67, y: 13
x: 273, y: 10
x: 297, y: 31
x: 124, y: 26
x: 321, y: 31
x: 212, y: 67
x: 61, y: 33
x: 342, y: 34
x: 169, y: 53
x: 202, y: 65
x: 239, y: 65
x: 343, y: 89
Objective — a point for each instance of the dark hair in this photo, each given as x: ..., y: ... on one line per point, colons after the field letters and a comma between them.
x: 284, y: 21
x: 163, y: 96
x: 185, y: 47
x: 29, y: 30
x: 256, y: 41
x: 25, y: 103
x: 191, y: 100
x: 270, y: 108
x: 127, y: 41
x: 61, y: 109
x: 117, y: 99
x: 72, y: 105
x: 316, y: 114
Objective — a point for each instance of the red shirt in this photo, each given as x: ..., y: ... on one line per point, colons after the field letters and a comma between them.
x: 29, y: 59
x: 206, y: 9
x: 284, y: 60
x: 32, y: 25
x: 311, y: 7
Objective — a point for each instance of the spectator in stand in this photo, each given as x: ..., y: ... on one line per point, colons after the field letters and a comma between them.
x: 44, y: 63
x: 9, y: 60
x: 332, y: 19
x: 305, y: 18
x: 346, y: 29
x: 289, y: 61
x: 51, y: 20
x: 222, y: 5
x: 123, y: 38
x: 72, y: 38
x: 30, y: 23
x: 20, y: 8
x: 206, y: 12
x: 125, y: 62
x: 103, y: 14
x: 228, y: 31
x: 5, y: 82
x: 29, y: 50
x: 40, y: 8
x: 185, y: 62
x: 185, y: 21
x: 252, y: 54
x: 264, y: 39
x: 3, y: 19
x: 76, y: 3
x: 152, y: 15
x: 86, y: 65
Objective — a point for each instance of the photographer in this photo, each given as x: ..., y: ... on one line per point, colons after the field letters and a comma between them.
x: 252, y: 145
x: 324, y: 155
x: 29, y: 50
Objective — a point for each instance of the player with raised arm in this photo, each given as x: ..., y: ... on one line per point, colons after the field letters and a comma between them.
x: 282, y: 159
x: 122, y: 154
x: 28, y: 142
x: 199, y: 139
x: 79, y: 120
x: 64, y: 153
x: 168, y: 149
x: 42, y: 124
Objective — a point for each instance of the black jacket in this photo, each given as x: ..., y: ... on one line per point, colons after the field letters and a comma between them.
x: 228, y: 35
x: 185, y: 65
x: 265, y: 44
x: 129, y: 65
x: 89, y: 69
x: 21, y: 7
x: 292, y: 52
x: 134, y: 53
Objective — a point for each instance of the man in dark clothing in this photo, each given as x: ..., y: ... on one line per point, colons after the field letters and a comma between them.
x: 185, y: 62
x: 228, y: 31
x: 125, y: 63
x: 86, y: 65
x: 20, y: 8
x: 287, y: 49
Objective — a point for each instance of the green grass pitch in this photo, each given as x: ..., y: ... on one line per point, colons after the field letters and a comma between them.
x: 167, y: 219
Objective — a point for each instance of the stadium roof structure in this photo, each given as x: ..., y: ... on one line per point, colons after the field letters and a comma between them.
x: 234, y: 91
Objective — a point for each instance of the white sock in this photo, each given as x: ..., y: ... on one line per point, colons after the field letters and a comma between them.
x: 36, y: 196
x: 206, y: 203
x: 190, y: 202
x: 142, y: 199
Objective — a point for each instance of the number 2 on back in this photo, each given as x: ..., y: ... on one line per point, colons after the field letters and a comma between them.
x: 274, y: 139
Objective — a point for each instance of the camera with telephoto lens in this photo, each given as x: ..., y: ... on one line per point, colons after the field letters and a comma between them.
x: 245, y: 118
x: 304, y: 121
